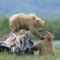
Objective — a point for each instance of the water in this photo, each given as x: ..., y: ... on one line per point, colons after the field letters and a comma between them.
x: 55, y: 42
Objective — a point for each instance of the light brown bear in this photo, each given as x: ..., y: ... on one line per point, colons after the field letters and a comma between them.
x: 45, y: 46
x: 26, y: 21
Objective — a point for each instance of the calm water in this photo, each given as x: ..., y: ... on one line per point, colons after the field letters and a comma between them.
x: 56, y: 43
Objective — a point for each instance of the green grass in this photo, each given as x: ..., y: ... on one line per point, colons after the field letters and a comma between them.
x: 6, y: 56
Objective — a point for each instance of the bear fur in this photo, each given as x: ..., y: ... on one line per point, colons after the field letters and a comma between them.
x: 45, y: 46
x: 26, y: 21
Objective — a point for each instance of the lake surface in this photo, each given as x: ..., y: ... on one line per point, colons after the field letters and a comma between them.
x: 56, y: 43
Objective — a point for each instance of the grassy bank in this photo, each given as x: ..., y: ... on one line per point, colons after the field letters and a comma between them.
x: 4, y: 26
x: 6, y: 56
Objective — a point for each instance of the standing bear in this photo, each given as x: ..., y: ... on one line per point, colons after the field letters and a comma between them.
x: 26, y: 21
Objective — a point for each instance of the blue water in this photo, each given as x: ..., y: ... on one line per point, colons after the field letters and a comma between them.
x: 57, y: 43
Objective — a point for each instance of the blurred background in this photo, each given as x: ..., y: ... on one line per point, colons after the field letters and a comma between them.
x: 48, y: 10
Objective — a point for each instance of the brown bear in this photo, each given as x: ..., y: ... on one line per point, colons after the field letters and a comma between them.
x: 26, y: 21
x: 45, y: 46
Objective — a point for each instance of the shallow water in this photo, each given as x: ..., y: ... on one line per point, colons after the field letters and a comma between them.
x: 55, y: 42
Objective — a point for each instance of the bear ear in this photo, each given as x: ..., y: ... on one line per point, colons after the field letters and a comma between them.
x: 33, y: 17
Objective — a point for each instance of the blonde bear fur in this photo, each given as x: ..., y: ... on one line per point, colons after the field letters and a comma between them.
x: 26, y: 21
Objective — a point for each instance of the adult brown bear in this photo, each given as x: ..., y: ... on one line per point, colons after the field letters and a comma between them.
x: 26, y: 21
